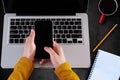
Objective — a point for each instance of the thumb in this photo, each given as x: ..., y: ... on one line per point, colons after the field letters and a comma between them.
x: 32, y: 34
x: 50, y: 51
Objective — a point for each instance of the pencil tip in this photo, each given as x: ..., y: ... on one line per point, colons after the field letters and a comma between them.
x: 116, y: 25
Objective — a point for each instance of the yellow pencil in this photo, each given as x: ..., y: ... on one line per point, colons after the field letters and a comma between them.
x: 105, y: 37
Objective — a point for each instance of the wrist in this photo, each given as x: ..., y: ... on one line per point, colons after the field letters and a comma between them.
x: 29, y: 57
x: 62, y: 66
x: 60, y: 63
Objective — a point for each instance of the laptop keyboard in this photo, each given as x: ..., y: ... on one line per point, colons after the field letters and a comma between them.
x: 65, y: 30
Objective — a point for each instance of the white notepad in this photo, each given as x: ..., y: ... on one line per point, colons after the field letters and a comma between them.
x: 105, y: 67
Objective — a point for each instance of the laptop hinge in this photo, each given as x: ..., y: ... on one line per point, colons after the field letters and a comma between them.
x: 44, y: 14
x: 78, y: 14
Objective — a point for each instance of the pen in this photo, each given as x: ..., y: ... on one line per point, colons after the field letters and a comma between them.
x: 105, y: 37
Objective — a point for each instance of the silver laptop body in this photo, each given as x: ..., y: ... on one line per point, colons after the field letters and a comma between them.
x: 77, y: 54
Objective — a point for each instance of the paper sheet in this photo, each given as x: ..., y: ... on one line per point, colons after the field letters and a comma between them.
x: 105, y: 67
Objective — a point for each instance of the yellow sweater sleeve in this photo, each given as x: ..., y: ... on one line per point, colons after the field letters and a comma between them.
x: 64, y: 72
x: 22, y: 70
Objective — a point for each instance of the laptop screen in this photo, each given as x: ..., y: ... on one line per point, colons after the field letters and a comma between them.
x: 46, y: 6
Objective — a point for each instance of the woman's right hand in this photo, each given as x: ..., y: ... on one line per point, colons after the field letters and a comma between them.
x: 56, y: 54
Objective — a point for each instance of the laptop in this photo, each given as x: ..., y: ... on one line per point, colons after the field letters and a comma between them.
x: 70, y: 29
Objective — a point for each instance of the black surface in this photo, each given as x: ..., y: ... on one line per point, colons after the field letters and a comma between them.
x: 97, y: 32
x: 47, y: 7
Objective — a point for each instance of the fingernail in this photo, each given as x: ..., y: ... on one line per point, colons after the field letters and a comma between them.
x: 40, y: 62
x: 31, y: 30
x: 45, y: 47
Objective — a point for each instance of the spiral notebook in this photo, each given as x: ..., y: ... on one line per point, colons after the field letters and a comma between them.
x: 105, y: 67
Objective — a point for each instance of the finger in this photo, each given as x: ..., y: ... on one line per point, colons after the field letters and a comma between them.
x: 55, y: 44
x: 27, y: 39
x: 50, y: 51
x: 32, y: 34
x: 57, y: 48
x: 42, y: 61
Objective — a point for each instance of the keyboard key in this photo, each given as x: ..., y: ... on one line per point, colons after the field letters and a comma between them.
x: 27, y: 19
x: 68, y: 35
x: 77, y: 31
x: 61, y: 23
x: 65, y: 31
x: 64, y: 40
x: 21, y: 40
x: 27, y: 23
x: 73, y: 19
x: 56, y: 23
x: 70, y: 31
x: 74, y: 27
x: 31, y: 23
x: 26, y: 35
x: 29, y: 31
x: 71, y: 23
x: 21, y: 32
x: 58, y: 35
x: 59, y: 27
x: 69, y: 27
x: 29, y: 27
x: 76, y: 36
x: 69, y: 41
x: 55, y: 27
x: 58, y: 40
x: 22, y: 23
x: 77, y: 23
x: 60, y: 31
x: 58, y: 19
x: 55, y: 31
x: 63, y: 19
x: 14, y: 36
x: 24, y: 27
x: 79, y: 27
x: 26, y: 31
x: 19, y: 27
x: 16, y: 41
x: 63, y: 35
x: 22, y: 36
x: 64, y: 27
x: 12, y: 23
x: 13, y: 27
x: 79, y: 41
x: 53, y: 19
x: 75, y: 40
x: 17, y: 23
x: 11, y: 41
x: 68, y: 19
x: 17, y: 19
x: 12, y: 19
x: 66, y: 23
x: 13, y: 31
x: 22, y: 19
x: 78, y: 19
